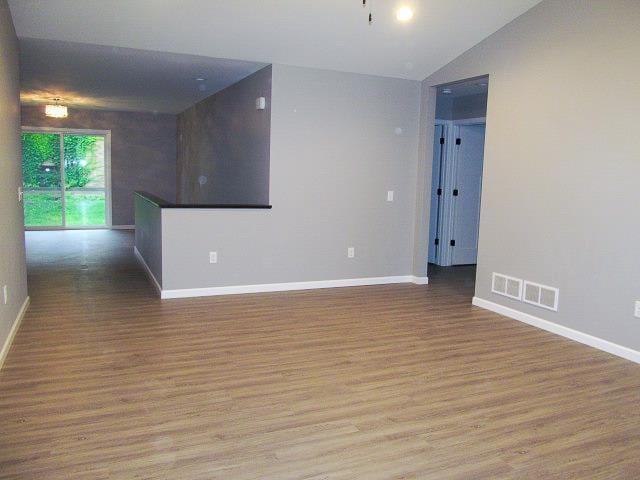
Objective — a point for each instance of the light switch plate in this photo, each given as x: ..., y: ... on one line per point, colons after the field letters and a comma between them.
x: 351, y: 252
x: 637, y: 310
x: 390, y: 196
x: 213, y: 257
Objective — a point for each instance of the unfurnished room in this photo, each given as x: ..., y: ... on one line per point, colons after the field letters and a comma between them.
x: 332, y: 240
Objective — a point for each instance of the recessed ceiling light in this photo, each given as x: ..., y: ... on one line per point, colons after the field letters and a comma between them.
x: 200, y: 79
x: 446, y: 91
x: 404, y: 14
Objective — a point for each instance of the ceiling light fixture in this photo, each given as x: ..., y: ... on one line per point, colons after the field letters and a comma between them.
x: 56, y: 110
x: 404, y: 14
x: 447, y: 91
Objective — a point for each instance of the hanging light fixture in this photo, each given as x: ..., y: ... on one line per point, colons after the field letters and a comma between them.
x: 56, y: 110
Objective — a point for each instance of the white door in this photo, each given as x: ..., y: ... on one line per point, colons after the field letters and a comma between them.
x: 467, y: 187
x: 436, y: 183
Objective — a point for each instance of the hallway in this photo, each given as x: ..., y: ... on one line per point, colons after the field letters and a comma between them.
x: 105, y: 381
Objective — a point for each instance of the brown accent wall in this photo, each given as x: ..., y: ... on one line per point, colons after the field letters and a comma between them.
x: 224, y: 145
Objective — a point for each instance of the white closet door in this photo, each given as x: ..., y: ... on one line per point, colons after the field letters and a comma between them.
x: 468, y: 186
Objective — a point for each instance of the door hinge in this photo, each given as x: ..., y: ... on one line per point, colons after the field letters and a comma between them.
x: 436, y: 241
x: 458, y: 141
x: 452, y: 243
x: 439, y: 192
x: 455, y: 192
x: 441, y: 140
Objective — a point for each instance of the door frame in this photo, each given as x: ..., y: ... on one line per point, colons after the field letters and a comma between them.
x: 450, y: 166
x: 107, y: 172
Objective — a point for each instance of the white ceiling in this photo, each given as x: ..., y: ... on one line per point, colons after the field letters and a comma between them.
x: 113, y: 78
x: 329, y: 34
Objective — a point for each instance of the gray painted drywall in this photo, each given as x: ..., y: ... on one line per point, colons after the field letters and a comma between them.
x: 444, y: 107
x: 339, y: 141
x: 459, y: 108
x: 143, y: 151
x: 12, y: 255
x: 149, y: 235
x: 225, y: 140
x: 560, y: 194
x: 469, y: 106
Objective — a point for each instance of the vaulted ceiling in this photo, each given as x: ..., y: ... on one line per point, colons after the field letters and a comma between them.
x: 329, y: 34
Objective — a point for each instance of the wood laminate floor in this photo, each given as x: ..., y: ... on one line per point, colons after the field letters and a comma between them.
x: 105, y: 381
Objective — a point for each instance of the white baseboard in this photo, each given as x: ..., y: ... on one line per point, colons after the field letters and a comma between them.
x: 148, y: 271
x: 12, y: 333
x: 420, y: 280
x: 283, y: 287
x: 567, y: 332
x: 123, y: 227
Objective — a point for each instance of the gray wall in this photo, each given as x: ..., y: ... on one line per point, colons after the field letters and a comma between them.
x: 469, y: 106
x: 334, y: 154
x: 225, y: 140
x: 12, y: 257
x: 459, y: 108
x: 444, y: 107
x: 149, y: 235
x: 560, y: 195
x: 143, y: 151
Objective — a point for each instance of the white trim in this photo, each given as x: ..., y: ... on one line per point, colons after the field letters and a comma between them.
x: 107, y: 179
x: 12, y: 333
x: 283, y: 287
x: 70, y: 131
x: 123, y: 227
x: 561, y: 330
x: 75, y: 227
x: 148, y: 271
x: 420, y: 280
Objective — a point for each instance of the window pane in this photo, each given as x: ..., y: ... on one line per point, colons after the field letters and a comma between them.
x: 41, y: 179
x: 84, y: 170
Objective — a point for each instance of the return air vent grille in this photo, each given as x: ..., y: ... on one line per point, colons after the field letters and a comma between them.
x: 507, y: 286
x: 541, y: 295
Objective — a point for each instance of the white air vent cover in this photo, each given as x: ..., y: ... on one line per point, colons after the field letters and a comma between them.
x: 507, y: 286
x: 541, y: 295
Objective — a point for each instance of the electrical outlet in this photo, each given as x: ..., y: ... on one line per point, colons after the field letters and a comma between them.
x: 351, y: 252
x: 390, y: 196
x: 5, y: 294
x: 213, y: 257
x: 637, y: 310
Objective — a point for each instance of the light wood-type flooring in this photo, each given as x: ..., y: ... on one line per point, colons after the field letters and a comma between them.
x: 105, y: 381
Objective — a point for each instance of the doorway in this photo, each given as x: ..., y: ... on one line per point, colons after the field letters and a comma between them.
x: 456, y: 184
x: 66, y: 178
